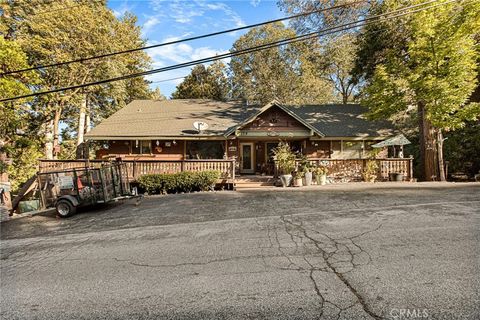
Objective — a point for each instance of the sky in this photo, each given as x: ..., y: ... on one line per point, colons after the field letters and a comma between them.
x: 168, y: 20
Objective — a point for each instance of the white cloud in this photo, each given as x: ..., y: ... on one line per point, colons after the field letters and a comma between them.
x: 179, y: 53
x: 184, y: 12
x: 255, y: 3
x: 148, y: 25
x: 122, y: 9
x: 194, y: 16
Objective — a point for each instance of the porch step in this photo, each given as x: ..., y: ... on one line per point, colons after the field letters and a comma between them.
x: 254, y: 182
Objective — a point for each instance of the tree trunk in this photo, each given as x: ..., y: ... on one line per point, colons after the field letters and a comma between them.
x: 56, y: 131
x: 4, y: 181
x: 81, y: 128
x: 427, y: 146
x: 441, y: 165
x: 49, y: 140
x: 88, y: 127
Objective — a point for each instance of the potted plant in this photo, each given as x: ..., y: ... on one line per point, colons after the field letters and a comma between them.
x: 305, y: 167
x: 395, y: 176
x: 370, y: 171
x: 321, y: 175
x: 285, y: 160
x: 298, y: 178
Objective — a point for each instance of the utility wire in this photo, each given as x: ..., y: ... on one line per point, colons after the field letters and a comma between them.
x: 184, y: 40
x: 363, y: 22
x: 166, y: 80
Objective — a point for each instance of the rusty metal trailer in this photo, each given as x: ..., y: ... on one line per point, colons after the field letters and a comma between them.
x: 67, y: 190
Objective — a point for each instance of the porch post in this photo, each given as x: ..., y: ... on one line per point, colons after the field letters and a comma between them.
x: 410, y: 163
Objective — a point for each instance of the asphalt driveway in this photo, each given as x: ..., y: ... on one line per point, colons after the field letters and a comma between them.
x: 359, y: 251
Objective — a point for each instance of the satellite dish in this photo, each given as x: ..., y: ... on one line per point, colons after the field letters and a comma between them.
x: 200, y: 126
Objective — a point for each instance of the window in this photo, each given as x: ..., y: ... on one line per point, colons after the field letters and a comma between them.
x: 352, y: 149
x: 205, y: 149
x: 141, y: 147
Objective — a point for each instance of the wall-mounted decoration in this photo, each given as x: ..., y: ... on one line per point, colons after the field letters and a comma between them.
x: 158, y: 149
x: 232, y: 149
x: 168, y: 144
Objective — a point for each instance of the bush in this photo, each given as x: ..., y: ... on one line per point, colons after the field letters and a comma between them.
x: 285, y: 158
x: 178, y: 182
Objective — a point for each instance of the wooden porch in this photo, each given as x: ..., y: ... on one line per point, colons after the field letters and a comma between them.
x: 340, y: 170
x: 136, y: 168
x: 347, y: 170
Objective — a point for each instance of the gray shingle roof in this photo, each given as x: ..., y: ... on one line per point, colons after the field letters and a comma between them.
x: 342, y: 120
x: 144, y: 119
x: 171, y: 118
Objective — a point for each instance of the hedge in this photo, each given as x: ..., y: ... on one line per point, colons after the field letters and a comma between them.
x: 178, y: 182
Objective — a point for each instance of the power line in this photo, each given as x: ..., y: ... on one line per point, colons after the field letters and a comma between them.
x: 166, y: 80
x: 304, y: 37
x: 184, y: 40
x: 344, y: 27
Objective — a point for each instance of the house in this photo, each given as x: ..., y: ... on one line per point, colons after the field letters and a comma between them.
x: 164, y: 131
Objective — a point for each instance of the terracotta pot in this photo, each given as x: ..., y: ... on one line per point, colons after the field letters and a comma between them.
x: 297, y: 182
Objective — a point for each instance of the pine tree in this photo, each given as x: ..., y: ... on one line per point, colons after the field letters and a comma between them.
x: 434, y: 69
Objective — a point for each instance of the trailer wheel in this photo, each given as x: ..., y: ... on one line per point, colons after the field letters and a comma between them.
x: 65, y: 208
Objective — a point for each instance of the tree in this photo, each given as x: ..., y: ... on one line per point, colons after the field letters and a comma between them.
x: 204, y: 83
x: 334, y: 54
x: 336, y: 62
x: 434, y: 69
x: 87, y: 30
x: 323, y: 19
x: 284, y: 73
x: 17, y: 125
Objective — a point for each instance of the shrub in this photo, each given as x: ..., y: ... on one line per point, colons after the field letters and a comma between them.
x: 370, y: 170
x: 321, y: 170
x: 178, y: 182
x: 285, y: 158
x: 206, y: 179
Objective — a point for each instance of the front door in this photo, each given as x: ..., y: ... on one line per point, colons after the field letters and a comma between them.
x: 246, y: 160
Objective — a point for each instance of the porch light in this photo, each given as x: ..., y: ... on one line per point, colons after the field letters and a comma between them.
x: 174, y: 142
x: 157, y: 143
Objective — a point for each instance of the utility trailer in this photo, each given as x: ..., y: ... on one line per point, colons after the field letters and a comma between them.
x: 69, y: 189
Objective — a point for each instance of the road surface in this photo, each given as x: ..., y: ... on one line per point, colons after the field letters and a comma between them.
x: 361, y: 251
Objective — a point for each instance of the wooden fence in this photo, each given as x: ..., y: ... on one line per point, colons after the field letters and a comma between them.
x: 352, y: 169
x: 137, y: 168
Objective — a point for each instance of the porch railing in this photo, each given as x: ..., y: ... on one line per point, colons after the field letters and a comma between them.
x: 138, y: 168
x: 352, y: 169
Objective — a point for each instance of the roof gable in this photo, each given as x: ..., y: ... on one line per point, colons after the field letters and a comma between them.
x: 267, y: 107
